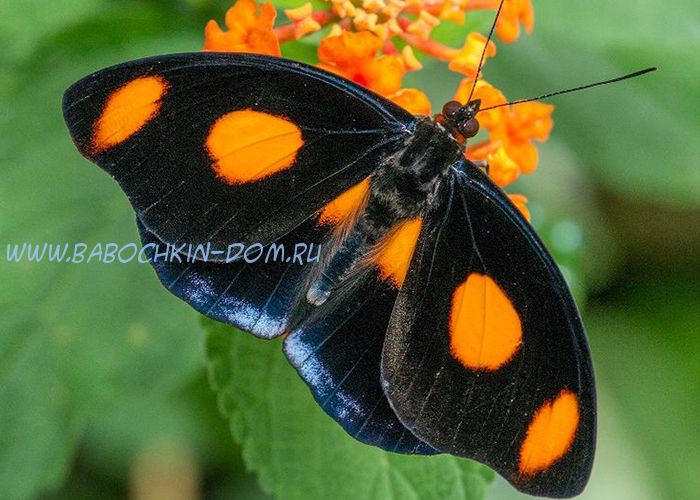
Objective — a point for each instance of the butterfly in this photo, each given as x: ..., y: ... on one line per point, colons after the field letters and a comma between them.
x: 427, y: 316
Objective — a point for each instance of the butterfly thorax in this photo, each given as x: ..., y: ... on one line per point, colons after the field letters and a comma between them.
x: 400, y: 190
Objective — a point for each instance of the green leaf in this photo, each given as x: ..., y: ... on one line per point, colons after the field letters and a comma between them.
x: 298, y: 451
x: 179, y: 435
x: 646, y: 349
x: 24, y: 23
x: 76, y: 339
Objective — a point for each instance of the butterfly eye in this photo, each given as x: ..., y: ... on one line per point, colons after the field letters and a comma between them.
x: 451, y: 108
x: 469, y: 128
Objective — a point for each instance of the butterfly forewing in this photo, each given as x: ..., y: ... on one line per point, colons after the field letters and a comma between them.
x: 485, y: 355
x: 215, y: 148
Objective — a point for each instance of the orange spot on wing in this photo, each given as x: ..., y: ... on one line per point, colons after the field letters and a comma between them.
x: 127, y: 110
x: 345, y: 204
x: 550, y: 433
x: 394, y: 258
x: 485, y: 329
x: 248, y: 145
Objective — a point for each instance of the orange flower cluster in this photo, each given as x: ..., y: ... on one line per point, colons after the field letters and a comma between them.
x: 248, y: 30
x: 372, y: 42
x: 512, y: 129
x: 353, y: 55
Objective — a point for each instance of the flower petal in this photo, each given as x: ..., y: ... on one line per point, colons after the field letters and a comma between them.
x: 353, y: 55
x: 524, y: 154
x: 412, y: 100
x: 502, y: 169
x: 520, y: 202
x: 531, y: 120
x: 348, y: 47
x: 384, y: 74
x: 490, y: 96
x: 513, y: 13
x: 467, y: 60
x: 248, y: 30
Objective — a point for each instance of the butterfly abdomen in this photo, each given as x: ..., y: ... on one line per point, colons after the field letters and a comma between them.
x: 399, y: 191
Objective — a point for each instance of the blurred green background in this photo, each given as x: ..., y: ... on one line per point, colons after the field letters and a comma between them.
x: 106, y: 380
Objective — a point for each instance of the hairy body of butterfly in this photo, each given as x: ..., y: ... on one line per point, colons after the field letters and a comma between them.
x: 399, y: 190
x: 434, y: 321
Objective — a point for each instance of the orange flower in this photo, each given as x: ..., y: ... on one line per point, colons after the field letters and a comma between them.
x: 502, y: 169
x: 467, y: 59
x: 422, y: 26
x: 520, y: 201
x: 304, y: 23
x: 523, y: 124
x: 412, y: 100
x: 513, y: 13
x: 489, y: 95
x: 531, y: 120
x: 353, y: 55
x: 409, y: 59
x: 452, y: 11
x: 361, y: 47
x: 248, y: 30
x: 512, y: 127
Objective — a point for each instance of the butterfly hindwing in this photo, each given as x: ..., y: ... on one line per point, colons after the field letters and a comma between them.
x: 257, y: 292
x: 338, y: 352
x: 222, y: 147
x: 485, y: 355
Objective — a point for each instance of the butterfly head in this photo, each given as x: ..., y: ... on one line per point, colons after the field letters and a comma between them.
x: 460, y: 120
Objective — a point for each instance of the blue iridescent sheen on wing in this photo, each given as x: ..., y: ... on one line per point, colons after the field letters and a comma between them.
x: 257, y: 297
x: 338, y: 354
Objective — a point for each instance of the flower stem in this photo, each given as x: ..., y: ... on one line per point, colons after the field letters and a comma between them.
x: 428, y: 47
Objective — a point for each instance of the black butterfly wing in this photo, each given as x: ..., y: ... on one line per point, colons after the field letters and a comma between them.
x: 257, y: 292
x: 222, y: 147
x: 338, y: 353
x: 485, y: 355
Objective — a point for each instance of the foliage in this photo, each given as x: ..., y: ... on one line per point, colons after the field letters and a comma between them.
x: 298, y: 452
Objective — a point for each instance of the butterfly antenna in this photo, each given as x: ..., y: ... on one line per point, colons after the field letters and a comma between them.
x: 575, y: 89
x: 483, y: 52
